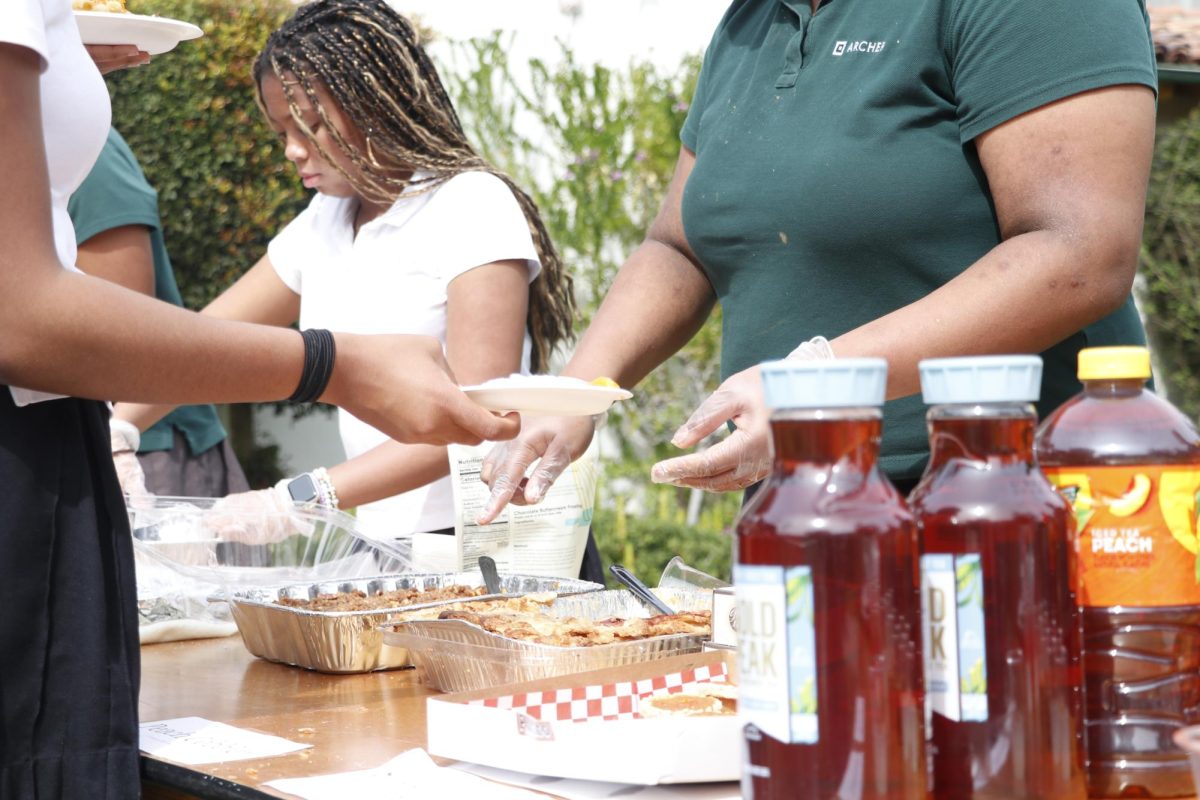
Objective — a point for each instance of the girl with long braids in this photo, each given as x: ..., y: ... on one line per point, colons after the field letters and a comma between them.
x: 411, y: 230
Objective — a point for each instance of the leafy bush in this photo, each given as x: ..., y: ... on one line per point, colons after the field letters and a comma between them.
x: 224, y: 187
x: 645, y: 544
x: 1170, y: 264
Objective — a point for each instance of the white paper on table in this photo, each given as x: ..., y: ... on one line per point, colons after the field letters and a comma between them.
x: 410, y: 776
x: 195, y: 740
x: 543, y: 539
x: 574, y: 789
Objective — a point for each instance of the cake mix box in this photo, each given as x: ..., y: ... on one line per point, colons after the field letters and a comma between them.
x: 671, y: 720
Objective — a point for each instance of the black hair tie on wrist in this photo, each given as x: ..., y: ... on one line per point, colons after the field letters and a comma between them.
x: 319, y: 353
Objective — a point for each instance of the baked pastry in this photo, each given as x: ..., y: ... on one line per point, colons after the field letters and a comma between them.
x: 543, y: 628
x: 398, y: 598
x: 698, y: 700
x: 111, y: 6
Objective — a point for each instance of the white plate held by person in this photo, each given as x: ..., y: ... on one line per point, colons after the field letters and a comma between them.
x: 547, y: 395
x: 108, y: 22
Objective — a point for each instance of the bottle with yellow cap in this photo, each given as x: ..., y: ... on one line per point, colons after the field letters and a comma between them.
x: 1129, y: 463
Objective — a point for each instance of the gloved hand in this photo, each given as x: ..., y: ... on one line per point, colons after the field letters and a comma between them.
x: 258, y: 517
x: 744, y: 456
x: 125, y: 440
x: 557, y: 441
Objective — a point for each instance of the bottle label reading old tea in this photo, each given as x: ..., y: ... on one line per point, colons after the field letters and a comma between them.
x: 777, y: 665
x: 955, y: 644
x: 1136, y: 533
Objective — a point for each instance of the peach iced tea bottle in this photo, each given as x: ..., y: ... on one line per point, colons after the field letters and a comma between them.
x: 1129, y: 462
x: 999, y: 622
x: 829, y: 665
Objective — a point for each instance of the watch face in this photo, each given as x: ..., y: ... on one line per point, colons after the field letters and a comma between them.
x: 303, y: 489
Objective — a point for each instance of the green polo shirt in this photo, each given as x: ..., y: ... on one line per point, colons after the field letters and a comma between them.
x: 115, y: 194
x: 836, y: 179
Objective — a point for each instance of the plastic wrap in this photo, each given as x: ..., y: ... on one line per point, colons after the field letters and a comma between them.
x: 179, y: 532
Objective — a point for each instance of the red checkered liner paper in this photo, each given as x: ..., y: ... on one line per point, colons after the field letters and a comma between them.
x: 613, y: 701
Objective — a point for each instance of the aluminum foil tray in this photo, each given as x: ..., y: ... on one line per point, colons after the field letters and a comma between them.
x: 456, y: 656
x: 350, y: 641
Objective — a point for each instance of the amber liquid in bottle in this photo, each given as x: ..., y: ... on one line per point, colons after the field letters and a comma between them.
x: 1141, y: 664
x: 828, y: 507
x: 984, y: 501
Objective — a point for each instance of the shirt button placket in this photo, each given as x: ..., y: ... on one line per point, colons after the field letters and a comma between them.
x: 793, y: 56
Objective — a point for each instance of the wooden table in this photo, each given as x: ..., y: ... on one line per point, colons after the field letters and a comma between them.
x: 352, y: 721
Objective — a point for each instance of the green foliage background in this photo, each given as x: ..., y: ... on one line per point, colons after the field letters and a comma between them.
x: 224, y: 187
x: 1170, y: 268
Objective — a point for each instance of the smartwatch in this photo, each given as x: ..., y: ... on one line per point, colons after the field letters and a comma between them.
x: 303, y: 489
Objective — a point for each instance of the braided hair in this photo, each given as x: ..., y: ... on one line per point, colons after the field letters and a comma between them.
x: 367, y: 58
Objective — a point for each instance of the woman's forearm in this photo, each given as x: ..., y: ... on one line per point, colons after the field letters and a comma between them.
x: 657, y: 303
x: 78, y: 335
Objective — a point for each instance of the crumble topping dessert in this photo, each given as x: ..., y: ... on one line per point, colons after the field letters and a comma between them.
x: 543, y: 628
x: 398, y: 598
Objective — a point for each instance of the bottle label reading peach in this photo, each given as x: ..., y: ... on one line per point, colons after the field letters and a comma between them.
x: 1136, y: 533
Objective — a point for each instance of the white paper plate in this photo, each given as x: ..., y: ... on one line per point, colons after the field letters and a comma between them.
x: 155, y: 35
x: 547, y: 401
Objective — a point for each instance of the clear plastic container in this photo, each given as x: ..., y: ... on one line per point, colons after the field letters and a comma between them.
x: 184, y: 533
x: 1130, y: 464
x: 678, y: 575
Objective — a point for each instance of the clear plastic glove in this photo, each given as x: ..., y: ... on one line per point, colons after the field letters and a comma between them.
x: 743, y: 457
x: 125, y: 440
x: 258, y: 517
x: 556, y: 441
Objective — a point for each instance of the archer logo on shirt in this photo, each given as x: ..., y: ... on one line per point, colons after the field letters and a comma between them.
x: 841, y: 48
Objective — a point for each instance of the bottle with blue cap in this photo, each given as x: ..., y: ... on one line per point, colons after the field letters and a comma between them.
x: 1000, y: 630
x: 828, y: 613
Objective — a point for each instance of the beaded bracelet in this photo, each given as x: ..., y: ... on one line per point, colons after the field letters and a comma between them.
x: 326, y: 493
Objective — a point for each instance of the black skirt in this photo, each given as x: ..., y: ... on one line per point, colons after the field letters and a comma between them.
x: 68, y: 608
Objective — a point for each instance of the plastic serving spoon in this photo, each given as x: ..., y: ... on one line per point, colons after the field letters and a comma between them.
x: 639, y: 589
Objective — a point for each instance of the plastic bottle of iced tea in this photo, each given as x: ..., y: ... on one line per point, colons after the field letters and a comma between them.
x: 1129, y: 462
x: 829, y: 665
x: 999, y: 623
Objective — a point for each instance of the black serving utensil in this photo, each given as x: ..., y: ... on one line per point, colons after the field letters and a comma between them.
x: 491, y: 576
x: 639, y: 589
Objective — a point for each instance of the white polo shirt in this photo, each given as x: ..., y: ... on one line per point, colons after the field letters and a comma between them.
x: 393, y: 278
x: 75, y: 114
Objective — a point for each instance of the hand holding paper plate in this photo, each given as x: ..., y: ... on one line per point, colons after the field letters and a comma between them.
x: 547, y: 395
x: 154, y: 35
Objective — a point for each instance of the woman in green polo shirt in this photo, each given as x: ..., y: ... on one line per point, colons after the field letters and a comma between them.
x: 909, y: 180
